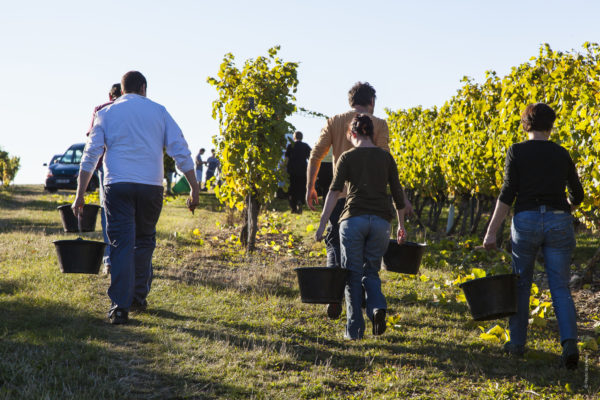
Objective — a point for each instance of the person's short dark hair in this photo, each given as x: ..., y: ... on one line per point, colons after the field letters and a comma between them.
x: 298, y: 135
x: 133, y: 81
x: 202, y: 149
x: 115, y: 91
x: 361, y: 94
x: 362, y: 125
x: 538, y: 117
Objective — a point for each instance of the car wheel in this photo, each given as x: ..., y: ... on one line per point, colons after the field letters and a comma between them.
x: 51, y: 190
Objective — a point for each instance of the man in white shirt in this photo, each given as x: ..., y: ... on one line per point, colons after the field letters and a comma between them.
x: 134, y: 130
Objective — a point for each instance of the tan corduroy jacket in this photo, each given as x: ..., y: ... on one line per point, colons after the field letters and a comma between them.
x: 334, y: 135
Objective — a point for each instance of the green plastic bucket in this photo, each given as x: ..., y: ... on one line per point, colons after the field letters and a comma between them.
x: 182, y: 186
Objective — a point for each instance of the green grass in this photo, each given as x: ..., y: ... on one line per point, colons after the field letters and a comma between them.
x: 222, y: 325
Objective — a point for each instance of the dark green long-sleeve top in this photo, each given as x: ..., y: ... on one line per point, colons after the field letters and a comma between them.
x: 368, y: 171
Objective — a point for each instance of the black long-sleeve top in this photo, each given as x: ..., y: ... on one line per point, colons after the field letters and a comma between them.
x: 537, y: 173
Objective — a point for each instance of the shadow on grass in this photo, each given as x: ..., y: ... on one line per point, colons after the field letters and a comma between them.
x: 9, y: 287
x: 243, y: 279
x: 51, y: 350
x: 23, y: 197
x: 165, y: 314
x: 24, y: 224
x: 455, y: 360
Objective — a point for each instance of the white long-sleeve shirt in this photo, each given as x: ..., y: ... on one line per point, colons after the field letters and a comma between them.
x: 134, y: 130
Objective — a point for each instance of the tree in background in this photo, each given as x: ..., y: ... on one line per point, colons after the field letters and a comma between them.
x: 9, y: 166
x: 252, y: 107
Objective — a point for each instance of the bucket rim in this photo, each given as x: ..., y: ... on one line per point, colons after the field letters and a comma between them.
x: 491, y: 277
x: 78, y: 240
x: 61, y: 207
x: 320, y: 269
x: 409, y: 244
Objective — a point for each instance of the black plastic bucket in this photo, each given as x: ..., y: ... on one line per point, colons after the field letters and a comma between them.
x: 404, y: 258
x: 88, y: 219
x: 492, y: 297
x: 79, y: 256
x: 321, y: 284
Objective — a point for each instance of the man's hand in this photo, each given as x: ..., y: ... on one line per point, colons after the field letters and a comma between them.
x: 77, y: 206
x: 83, y: 181
x: 312, y: 198
x: 401, y: 235
x: 319, y: 233
x: 489, y: 242
x: 192, y: 201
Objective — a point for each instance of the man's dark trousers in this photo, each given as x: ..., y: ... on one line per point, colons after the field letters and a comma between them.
x: 332, y: 235
x: 132, y: 211
x: 297, y: 190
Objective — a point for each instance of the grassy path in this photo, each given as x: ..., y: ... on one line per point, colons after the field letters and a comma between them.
x: 223, y: 326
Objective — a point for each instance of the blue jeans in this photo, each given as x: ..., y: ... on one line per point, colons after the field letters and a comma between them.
x: 552, y: 231
x: 132, y: 211
x: 106, y: 258
x: 364, y: 240
x: 332, y: 236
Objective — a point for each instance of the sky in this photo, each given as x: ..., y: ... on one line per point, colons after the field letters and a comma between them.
x: 58, y: 59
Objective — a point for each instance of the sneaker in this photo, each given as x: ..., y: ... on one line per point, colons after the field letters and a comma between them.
x: 334, y: 310
x: 514, y: 350
x: 138, y: 307
x: 379, y: 324
x: 570, y: 354
x: 118, y: 316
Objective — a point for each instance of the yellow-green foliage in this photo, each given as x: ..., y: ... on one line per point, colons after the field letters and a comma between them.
x: 9, y: 166
x: 252, y: 106
x: 460, y: 148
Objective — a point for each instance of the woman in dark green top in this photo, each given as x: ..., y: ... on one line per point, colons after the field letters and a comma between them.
x: 365, y: 222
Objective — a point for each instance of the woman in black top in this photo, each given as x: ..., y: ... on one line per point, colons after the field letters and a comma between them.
x: 537, y: 172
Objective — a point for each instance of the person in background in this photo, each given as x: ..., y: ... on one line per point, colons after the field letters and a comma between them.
x: 536, y: 174
x: 366, y: 171
x: 133, y: 130
x: 362, y: 100
x: 199, y: 166
x: 296, y: 155
x: 212, y: 165
x: 113, y: 94
x: 169, y: 171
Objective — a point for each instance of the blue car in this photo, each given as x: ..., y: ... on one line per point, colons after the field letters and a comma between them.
x: 63, y: 173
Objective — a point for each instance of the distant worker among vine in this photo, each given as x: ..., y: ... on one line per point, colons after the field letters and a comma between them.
x: 212, y: 166
x: 296, y: 155
x: 169, y: 170
x: 365, y: 171
x: 199, y: 166
x: 536, y: 173
x: 362, y: 100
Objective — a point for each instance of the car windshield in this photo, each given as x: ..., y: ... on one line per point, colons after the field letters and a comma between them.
x: 72, y: 156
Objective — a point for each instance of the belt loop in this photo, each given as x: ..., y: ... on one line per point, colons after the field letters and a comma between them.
x: 543, y: 209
